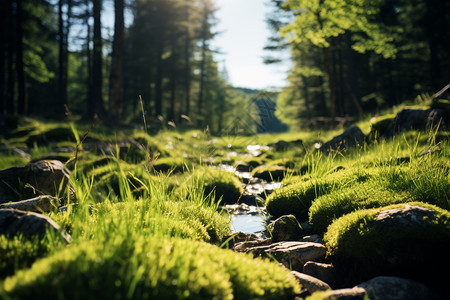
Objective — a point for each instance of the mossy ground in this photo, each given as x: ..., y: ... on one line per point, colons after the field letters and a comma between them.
x: 151, y: 207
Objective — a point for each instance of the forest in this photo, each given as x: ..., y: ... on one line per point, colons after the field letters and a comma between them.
x: 350, y: 59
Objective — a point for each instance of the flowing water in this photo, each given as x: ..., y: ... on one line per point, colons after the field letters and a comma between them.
x: 248, y: 216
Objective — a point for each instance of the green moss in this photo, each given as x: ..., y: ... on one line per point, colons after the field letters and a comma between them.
x: 270, y: 173
x: 441, y: 104
x: 325, y: 209
x: 223, y: 185
x: 150, y: 268
x: 170, y: 164
x: 365, y: 248
x: 19, y: 253
x: 150, y: 144
x: 379, y: 126
x: 56, y: 134
x: 426, y: 179
x: 297, y: 198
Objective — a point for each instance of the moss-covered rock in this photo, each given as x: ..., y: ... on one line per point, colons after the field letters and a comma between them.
x: 270, y: 173
x: 296, y: 198
x: 285, y: 228
x: 407, y: 240
x: 170, y: 164
x: 221, y: 184
x: 57, y: 134
x: 325, y: 209
x: 151, y: 145
x: 150, y: 268
x: 379, y: 126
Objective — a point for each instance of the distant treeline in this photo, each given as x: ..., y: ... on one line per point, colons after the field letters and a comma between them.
x: 354, y: 57
x: 55, y: 59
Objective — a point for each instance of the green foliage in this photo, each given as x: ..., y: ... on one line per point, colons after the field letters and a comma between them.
x: 122, y: 268
x: 378, y: 126
x: 220, y: 184
x: 19, y: 253
x: 296, y: 198
x: 325, y: 209
x: 317, y: 21
x: 170, y: 164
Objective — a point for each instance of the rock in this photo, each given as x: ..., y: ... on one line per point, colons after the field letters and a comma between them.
x: 15, y: 222
x: 246, y: 245
x: 351, y: 137
x: 356, y: 293
x: 285, y: 228
x: 38, y: 204
x: 384, y: 288
x: 293, y: 255
x: 313, y: 238
x: 238, y: 237
x: 417, y: 119
x: 310, y: 283
x: 322, y: 271
x: 241, y: 166
x: 45, y: 177
x: 409, y: 240
x: 407, y: 119
x: 270, y: 173
x: 284, y: 145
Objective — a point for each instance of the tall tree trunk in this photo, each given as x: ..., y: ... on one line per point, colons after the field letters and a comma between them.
x: 352, y: 83
x: 63, y: 54
x: 90, y: 81
x: 97, y: 76
x: 430, y: 26
x: 173, y: 82
x: 158, y: 79
x: 116, y: 77
x: 22, y: 100
x: 203, y: 66
x: 187, y: 72
x: 10, y: 88
x: 331, y: 81
x: 3, y: 9
x: 306, y: 95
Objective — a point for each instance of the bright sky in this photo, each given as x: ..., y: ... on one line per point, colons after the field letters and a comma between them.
x: 243, y: 36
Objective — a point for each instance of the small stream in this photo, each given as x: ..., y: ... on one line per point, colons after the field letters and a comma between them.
x: 249, y: 214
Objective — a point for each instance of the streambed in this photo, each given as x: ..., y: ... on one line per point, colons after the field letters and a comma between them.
x: 248, y: 215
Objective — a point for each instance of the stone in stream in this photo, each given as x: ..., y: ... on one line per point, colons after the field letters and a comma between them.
x: 323, y: 271
x: 28, y: 224
x: 310, y: 283
x: 285, y: 228
x: 293, y: 255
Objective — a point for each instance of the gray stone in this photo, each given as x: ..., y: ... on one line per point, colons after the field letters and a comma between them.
x: 38, y: 204
x: 45, y: 177
x: 244, y: 246
x: 285, y: 228
x: 313, y: 238
x: 384, y: 288
x: 310, y: 283
x: 322, y: 271
x: 16, y: 222
x: 293, y: 255
x: 351, y: 137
